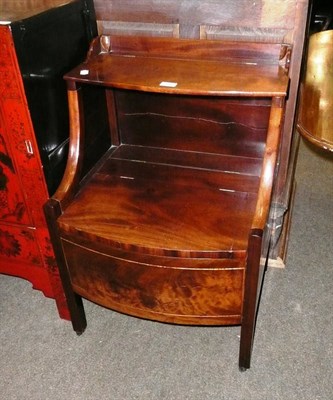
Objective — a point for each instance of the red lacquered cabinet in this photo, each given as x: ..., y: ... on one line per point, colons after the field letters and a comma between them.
x: 25, y: 248
x: 33, y: 130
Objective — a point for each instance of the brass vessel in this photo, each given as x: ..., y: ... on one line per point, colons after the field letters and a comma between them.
x: 315, y: 117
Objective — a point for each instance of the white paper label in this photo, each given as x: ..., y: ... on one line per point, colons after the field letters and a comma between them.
x: 168, y: 84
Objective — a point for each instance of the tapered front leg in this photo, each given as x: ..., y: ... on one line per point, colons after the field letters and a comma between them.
x: 251, y: 293
x: 52, y: 212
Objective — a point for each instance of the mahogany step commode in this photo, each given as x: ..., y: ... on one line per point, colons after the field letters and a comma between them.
x: 162, y: 212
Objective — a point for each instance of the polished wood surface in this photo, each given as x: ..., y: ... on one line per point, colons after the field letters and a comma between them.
x: 70, y: 180
x: 191, y: 75
x: 168, y: 289
x: 264, y: 21
x: 250, y: 52
x: 144, y: 202
x: 170, y: 223
x: 315, y: 120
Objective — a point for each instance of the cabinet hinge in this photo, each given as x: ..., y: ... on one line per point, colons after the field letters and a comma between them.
x: 29, y: 147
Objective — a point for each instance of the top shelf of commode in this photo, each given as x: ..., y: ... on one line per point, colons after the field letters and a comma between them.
x: 182, y: 66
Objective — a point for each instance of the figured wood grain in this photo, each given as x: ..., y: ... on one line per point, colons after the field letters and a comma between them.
x: 217, y: 125
x: 233, y: 51
x: 208, y: 292
x: 163, y: 209
x: 193, y: 77
x: 284, y: 19
x: 168, y: 224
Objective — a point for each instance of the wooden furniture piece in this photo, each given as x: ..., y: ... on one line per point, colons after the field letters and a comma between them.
x: 169, y: 221
x: 278, y: 21
x: 34, y: 130
x: 315, y: 115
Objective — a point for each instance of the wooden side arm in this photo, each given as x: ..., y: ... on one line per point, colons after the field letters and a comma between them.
x: 269, y: 162
x: 69, y: 183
